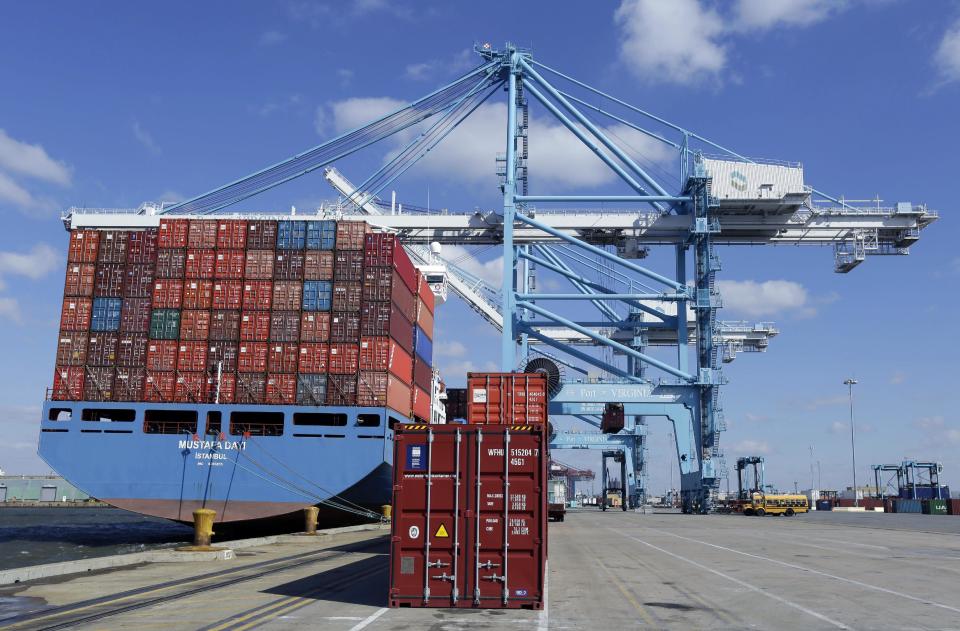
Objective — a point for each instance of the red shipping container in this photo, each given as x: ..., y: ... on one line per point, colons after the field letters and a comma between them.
x: 202, y: 234
x: 506, y: 398
x: 283, y: 357
x: 422, y: 374
x: 259, y: 264
x: 108, y: 281
x: 405, y: 300
x: 132, y: 350
x: 167, y: 294
x: 344, y: 326
x: 135, y: 315
x: 225, y: 325
x: 378, y: 284
x: 128, y: 384
x: 162, y: 355
x: 252, y: 357
x: 222, y: 355
x: 288, y: 265
x: 75, y: 315
x: 173, y: 233
x: 255, y: 326
x: 348, y: 265
x: 102, y: 349
x: 350, y: 234
x: 262, y: 235
x: 344, y: 358
x: 342, y: 389
x: 171, y: 263
x: 374, y: 353
x: 318, y: 265
x: 287, y: 295
x: 200, y: 263
x: 197, y: 294
x: 231, y: 233
x: 347, y: 296
x: 68, y: 383
x: 495, y: 481
x: 402, y: 331
x: 192, y: 357
x: 222, y: 390
x: 420, y: 404
x: 142, y: 247
x: 257, y: 294
x: 227, y: 294
x: 375, y: 318
x: 191, y: 387
x: 424, y: 318
x: 79, y: 281
x: 98, y: 384
x: 83, y: 246
x: 381, y: 389
x: 160, y: 387
x: 72, y: 348
x: 113, y: 247
x: 281, y: 389
x: 138, y: 281
x: 314, y: 326
x: 385, y: 250
x: 230, y: 264
x: 194, y: 325
x: 313, y: 358
x: 251, y: 388
x: 425, y: 293
x: 284, y: 326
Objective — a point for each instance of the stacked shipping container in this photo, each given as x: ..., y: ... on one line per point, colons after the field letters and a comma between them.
x: 258, y: 312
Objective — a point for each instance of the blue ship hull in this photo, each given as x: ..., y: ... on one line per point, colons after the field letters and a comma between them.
x: 241, y: 475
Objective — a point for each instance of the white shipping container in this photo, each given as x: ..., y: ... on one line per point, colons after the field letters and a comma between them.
x: 734, y: 179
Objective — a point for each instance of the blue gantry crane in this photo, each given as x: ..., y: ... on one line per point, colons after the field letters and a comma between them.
x: 649, y: 340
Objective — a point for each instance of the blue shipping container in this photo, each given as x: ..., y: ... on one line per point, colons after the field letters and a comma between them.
x: 321, y: 235
x: 909, y: 506
x: 824, y: 505
x: 317, y: 295
x: 422, y: 345
x: 291, y: 235
x: 106, y: 314
x: 925, y: 493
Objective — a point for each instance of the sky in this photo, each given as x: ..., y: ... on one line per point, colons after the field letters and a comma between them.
x: 112, y: 104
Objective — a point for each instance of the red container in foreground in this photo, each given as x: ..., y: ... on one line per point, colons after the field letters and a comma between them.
x: 506, y: 397
x: 462, y: 545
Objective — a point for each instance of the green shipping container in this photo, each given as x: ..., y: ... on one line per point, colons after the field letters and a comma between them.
x: 935, y: 507
x: 165, y: 324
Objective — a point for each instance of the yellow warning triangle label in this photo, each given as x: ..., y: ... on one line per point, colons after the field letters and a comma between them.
x: 441, y: 532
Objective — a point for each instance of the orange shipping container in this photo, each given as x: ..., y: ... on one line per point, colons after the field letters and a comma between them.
x: 421, y: 404
x: 313, y: 358
x: 202, y: 234
x: 173, y: 233
x: 192, y: 357
x: 80, y: 279
x: 315, y: 326
x: 83, y: 246
x: 424, y: 318
x: 230, y: 263
x: 231, y: 233
x: 381, y: 389
x: 281, y: 389
x: 167, y: 294
x: 76, y: 313
x: 200, y: 263
x: 197, y: 294
x: 506, y: 398
x: 257, y: 294
x: 191, y: 387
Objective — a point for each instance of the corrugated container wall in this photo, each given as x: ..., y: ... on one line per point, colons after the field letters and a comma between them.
x: 506, y: 398
x: 298, y: 312
x: 469, y: 516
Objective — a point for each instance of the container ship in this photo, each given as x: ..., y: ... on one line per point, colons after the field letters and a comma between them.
x: 249, y: 366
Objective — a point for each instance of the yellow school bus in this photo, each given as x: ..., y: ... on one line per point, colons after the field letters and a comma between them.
x: 762, y: 504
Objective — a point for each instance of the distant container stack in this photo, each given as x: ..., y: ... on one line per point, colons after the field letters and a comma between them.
x: 257, y: 312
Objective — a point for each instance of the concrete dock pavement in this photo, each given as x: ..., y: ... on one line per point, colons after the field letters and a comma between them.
x: 607, y: 571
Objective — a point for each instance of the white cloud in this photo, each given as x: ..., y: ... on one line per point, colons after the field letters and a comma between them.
x: 929, y: 423
x: 837, y: 427
x: 490, y: 271
x: 947, y: 57
x: 677, y: 41
x: 352, y: 113
x: 144, y: 138
x: 764, y: 14
x: 32, y: 161
x: 345, y: 75
x: 752, y: 447
x: 425, y: 70
x: 13, y: 192
x: 450, y: 349
x: 271, y: 38
x: 10, y: 309
x: 419, y: 71
x: 36, y: 263
x: 766, y: 298
x: 756, y: 418
x: 171, y: 197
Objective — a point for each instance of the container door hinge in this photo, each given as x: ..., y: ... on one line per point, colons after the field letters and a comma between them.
x: 488, y: 565
x: 495, y: 577
x: 437, y: 564
x: 444, y: 577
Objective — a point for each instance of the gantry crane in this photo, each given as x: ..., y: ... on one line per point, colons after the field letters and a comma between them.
x: 724, y: 200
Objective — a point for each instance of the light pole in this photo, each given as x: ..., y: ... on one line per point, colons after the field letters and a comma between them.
x: 853, y: 437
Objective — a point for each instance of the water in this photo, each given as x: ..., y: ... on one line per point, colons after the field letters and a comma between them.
x: 32, y: 536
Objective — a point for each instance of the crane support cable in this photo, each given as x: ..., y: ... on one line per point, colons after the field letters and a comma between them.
x: 343, y: 145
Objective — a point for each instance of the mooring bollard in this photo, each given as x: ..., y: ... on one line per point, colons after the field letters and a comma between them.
x: 203, y: 527
x: 310, y: 514
x: 387, y: 510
